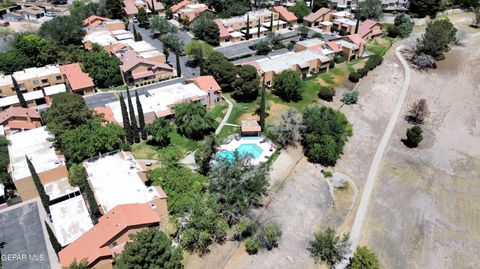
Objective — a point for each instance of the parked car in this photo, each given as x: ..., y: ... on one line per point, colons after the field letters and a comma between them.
x: 134, y: 19
x: 50, y: 14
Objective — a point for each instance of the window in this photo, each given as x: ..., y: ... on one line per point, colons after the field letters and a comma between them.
x: 44, y: 81
x: 59, y: 77
x: 35, y: 82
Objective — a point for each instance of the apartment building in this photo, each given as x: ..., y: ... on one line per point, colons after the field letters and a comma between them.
x: 138, y: 71
x: 100, y: 244
x: 304, y: 62
x: 106, y: 39
x: 186, y: 11
x: 351, y: 46
x: 97, y: 22
x: 370, y: 29
x: 344, y: 23
x: 285, y: 15
x: 76, y: 80
x: 388, y: 5
x: 320, y: 19
x: 14, y: 119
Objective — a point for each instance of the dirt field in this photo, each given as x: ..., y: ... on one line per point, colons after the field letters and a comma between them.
x: 425, y: 211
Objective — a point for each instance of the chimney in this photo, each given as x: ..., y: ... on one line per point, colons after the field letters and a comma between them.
x: 211, y: 97
x: 29, y: 119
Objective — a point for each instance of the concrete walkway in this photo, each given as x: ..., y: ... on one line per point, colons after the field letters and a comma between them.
x: 374, y: 166
x: 227, y: 115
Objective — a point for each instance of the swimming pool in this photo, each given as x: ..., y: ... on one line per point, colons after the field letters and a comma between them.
x: 244, y: 149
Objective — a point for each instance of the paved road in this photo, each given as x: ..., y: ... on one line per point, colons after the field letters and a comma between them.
x: 227, y: 115
x: 374, y: 166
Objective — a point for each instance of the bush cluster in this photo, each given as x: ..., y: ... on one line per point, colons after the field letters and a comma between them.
x: 339, y: 59
x: 326, y: 93
x: 354, y: 77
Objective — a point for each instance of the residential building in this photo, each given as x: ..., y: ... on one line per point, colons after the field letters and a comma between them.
x: 250, y: 128
x: 304, y: 62
x: 117, y: 178
x: 23, y: 234
x: 156, y: 6
x: 34, y: 98
x: 147, y: 51
x: 370, y: 29
x: 49, y: 165
x: 286, y: 15
x: 344, y: 23
x: 107, y: 39
x: 32, y: 13
x: 388, y: 5
x: 97, y: 22
x: 14, y: 119
x: 178, y: 6
x: 319, y: 19
x: 138, y: 71
x: 76, y: 80
x: 31, y: 79
x: 159, y: 102
x: 189, y: 12
x: 316, y: 45
x: 353, y: 46
x: 108, y: 237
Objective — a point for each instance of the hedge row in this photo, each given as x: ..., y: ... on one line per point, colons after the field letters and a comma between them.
x: 372, y: 62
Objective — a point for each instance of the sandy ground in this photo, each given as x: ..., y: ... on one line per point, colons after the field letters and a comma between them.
x: 425, y: 212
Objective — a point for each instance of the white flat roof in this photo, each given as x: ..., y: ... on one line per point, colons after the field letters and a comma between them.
x: 150, y: 54
x: 33, y: 95
x: 9, y: 100
x: 346, y: 21
x: 70, y: 219
x: 344, y: 43
x: 236, y: 34
x: 123, y: 37
x: 36, y: 72
x: 115, y: 181
x: 311, y: 42
x: 59, y: 188
x: 51, y: 90
x: 285, y: 61
x: 254, y: 30
x: 141, y: 46
x: 160, y: 99
x: 326, y: 23
x: 103, y: 38
x: 275, y: 22
x: 6, y: 80
x: 35, y: 144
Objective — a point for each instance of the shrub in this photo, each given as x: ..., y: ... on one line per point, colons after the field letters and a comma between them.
x: 278, y: 46
x: 362, y: 72
x: 252, y: 246
x: 268, y: 236
x: 245, y: 229
x: 331, y: 64
x: 317, y: 35
x: 290, y: 46
x: 414, y: 136
x: 326, y: 93
x: 327, y: 174
x: 424, y: 61
x: 354, y: 77
x: 339, y: 59
x: 373, y: 61
x: 393, y: 31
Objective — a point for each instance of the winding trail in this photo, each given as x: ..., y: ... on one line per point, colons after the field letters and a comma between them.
x: 227, y: 115
x: 374, y: 166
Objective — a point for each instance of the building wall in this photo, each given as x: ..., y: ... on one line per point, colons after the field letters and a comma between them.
x: 105, y: 263
x: 26, y: 186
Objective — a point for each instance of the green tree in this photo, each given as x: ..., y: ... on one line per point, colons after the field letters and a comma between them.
x: 53, y: 239
x: 221, y: 69
x: 126, y: 121
x: 21, y: 99
x: 76, y: 175
x: 268, y: 236
x: 171, y: 41
x: 263, y: 108
x: 133, y: 119
x: 141, y: 116
x: 102, y: 67
x: 136, y: 36
x: 63, y: 30
x: 363, y: 258
x: 177, y: 62
x: 38, y: 185
x: 160, y: 26
x: 204, y: 28
x: 349, y: 98
x: 13, y: 60
x: 90, y: 139
x: 92, y: 203
x: 476, y: 19
x: 204, y: 155
x: 35, y: 47
x: 328, y: 247
x: 369, y: 9
x: 149, y: 248
x: 300, y: 9
x: 193, y: 120
x: 142, y: 17
x: 194, y: 48
x: 271, y: 23
x: 324, y: 133
x: 318, y: 4
x: 114, y: 9
x: 287, y: 133
x: 83, y: 264
x: 81, y: 10
x: 288, y: 86
x: 246, y: 84
x: 259, y: 26
x: 438, y: 37
x: 4, y: 161
x: 427, y: 7
x: 263, y: 47
x: 414, y: 136
x: 238, y: 185
x: 303, y: 30
x: 68, y: 111
x: 160, y: 129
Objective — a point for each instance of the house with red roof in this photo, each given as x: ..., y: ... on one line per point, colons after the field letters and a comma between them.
x: 353, y: 46
x: 76, y: 80
x: 285, y: 15
x: 130, y: 8
x: 19, y: 119
x: 94, y: 20
x: 155, y: 6
x: 108, y: 237
x: 187, y: 11
x: 209, y: 85
x: 138, y: 71
x: 369, y: 29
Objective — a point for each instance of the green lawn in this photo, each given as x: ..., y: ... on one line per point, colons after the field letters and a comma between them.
x: 379, y: 46
x: 218, y: 112
x: 144, y: 151
x: 310, y: 91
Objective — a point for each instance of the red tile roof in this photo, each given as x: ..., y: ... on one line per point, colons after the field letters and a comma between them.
x: 77, y: 79
x: 131, y: 59
x: 357, y: 39
x: 10, y: 112
x: 206, y: 82
x: 156, y: 5
x: 250, y: 126
x: 319, y: 13
x: 366, y: 26
x: 94, y: 244
x: 223, y: 30
x: 285, y: 14
x: 106, y: 113
x: 129, y: 7
x: 94, y: 20
x: 192, y: 16
x: 334, y: 46
x: 175, y: 8
x: 20, y: 124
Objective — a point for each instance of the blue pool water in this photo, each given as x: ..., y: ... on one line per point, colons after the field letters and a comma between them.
x: 252, y: 149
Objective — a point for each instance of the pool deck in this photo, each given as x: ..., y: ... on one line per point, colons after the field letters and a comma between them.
x: 267, y: 147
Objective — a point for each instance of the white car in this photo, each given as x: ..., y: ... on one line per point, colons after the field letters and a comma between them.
x: 134, y: 19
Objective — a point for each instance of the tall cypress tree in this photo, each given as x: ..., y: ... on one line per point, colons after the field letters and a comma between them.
x: 133, y: 119
x: 38, y: 185
x: 126, y: 121
x: 248, y: 27
x: 92, y: 203
x: 177, y: 59
x: 271, y: 23
x: 259, y: 26
x: 141, y: 117
x: 21, y: 99
x: 53, y: 239
x: 200, y: 62
x: 263, y: 107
